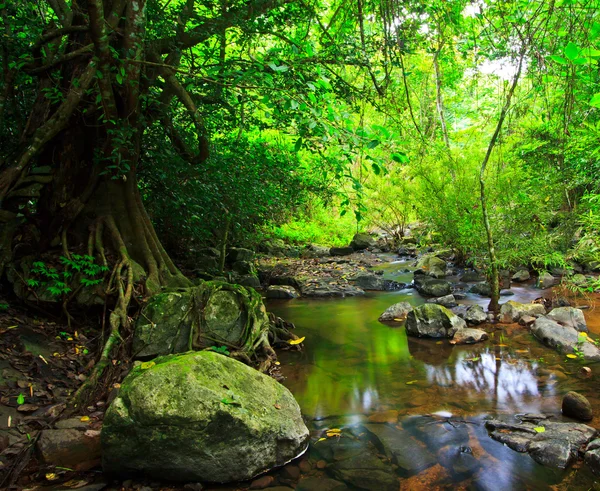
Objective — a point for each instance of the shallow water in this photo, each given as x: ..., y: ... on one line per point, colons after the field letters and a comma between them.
x: 355, y: 370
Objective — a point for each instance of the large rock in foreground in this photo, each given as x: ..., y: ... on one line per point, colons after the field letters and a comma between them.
x: 569, y: 316
x: 432, y: 265
x: 564, y: 339
x: 433, y: 321
x: 200, y: 416
x: 210, y: 314
x: 361, y: 242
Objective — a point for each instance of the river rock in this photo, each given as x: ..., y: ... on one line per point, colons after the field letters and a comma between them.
x: 398, y: 311
x: 475, y: 315
x: 315, y: 251
x: 563, y: 338
x: 526, y: 320
x: 341, y: 251
x: 545, y: 280
x: 432, y: 265
x: 365, y: 471
x: 360, y: 242
x: 447, y: 301
x: 512, y: 311
x: 70, y: 448
x: 329, y: 290
x: 249, y: 281
x: 320, y: 484
x: 282, y: 292
x: 469, y: 335
x: 200, y: 416
x: 579, y: 279
x: 484, y: 289
x: 576, y: 406
x: 556, y: 446
x: 212, y: 313
x: 239, y: 254
x: 433, y: 321
x: 592, y: 456
x: 432, y: 287
x: 569, y: 316
x: 370, y: 281
x: 521, y: 275
x: 472, y: 277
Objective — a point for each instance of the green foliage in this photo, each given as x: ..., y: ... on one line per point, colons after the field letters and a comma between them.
x: 58, y: 281
x: 220, y: 349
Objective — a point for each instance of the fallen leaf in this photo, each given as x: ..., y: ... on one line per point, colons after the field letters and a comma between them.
x: 297, y: 341
x: 321, y: 440
x: 572, y: 356
x: 147, y: 364
x: 51, y: 476
x: 84, y: 419
x: 411, y: 382
x: 277, y: 406
x: 540, y: 429
x: 334, y: 430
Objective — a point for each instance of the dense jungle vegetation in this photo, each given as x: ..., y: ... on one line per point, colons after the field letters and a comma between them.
x: 137, y: 132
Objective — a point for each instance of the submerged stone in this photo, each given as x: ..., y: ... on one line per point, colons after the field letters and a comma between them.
x: 398, y: 312
x: 200, y: 416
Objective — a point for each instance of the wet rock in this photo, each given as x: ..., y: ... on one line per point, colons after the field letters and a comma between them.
x: 285, y: 280
x: 436, y: 433
x: 569, y: 316
x: 366, y: 472
x: 397, y: 311
x: 469, y: 336
x: 315, y: 251
x: 410, y: 455
x: 447, y: 301
x: 432, y: 287
x: 389, y: 416
x: 475, y: 315
x: 328, y: 290
x: 512, y: 311
x: 370, y: 281
x: 341, y: 251
x: 506, y: 293
x: 360, y: 242
x: 262, y: 482
x: 432, y: 265
x: 243, y: 268
x: 563, y: 339
x: 282, y: 292
x: 249, y: 280
x: 182, y: 412
x: 521, y: 275
x: 70, y: 448
x: 526, y: 320
x: 458, y: 460
x: 291, y: 472
x: 472, y: 277
x: 576, y: 406
x: 557, y: 445
x: 320, y: 484
x: 484, y: 289
x: 236, y: 254
x: 592, y: 456
x: 545, y: 280
x: 72, y: 424
x: 434, y: 321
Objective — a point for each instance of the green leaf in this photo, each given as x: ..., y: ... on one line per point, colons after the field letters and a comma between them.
x: 373, y: 143
x: 558, y: 59
x: 571, y: 51
x: 595, y: 100
x: 400, y: 157
x: 376, y: 168
x: 20, y: 399
x: 298, y: 145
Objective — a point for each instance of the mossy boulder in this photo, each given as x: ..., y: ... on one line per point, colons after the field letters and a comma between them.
x: 361, y: 242
x: 211, y: 314
x: 200, y: 416
x: 432, y: 265
x: 433, y: 321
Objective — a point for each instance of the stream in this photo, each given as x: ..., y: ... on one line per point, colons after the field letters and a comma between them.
x: 355, y: 370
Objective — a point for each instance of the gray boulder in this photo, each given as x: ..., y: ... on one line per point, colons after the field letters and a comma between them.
x: 361, y: 242
x: 370, y: 281
x: 433, y: 321
x: 432, y: 287
x: 447, y: 301
x: 484, y: 289
x: 249, y: 280
x: 475, y: 315
x: 282, y: 292
x: 472, y: 277
x: 521, y: 275
x: 592, y: 456
x: 212, y: 313
x: 239, y: 254
x: 398, y: 311
x: 200, y: 417
x: 563, y: 338
x: 432, y: 265
x: 329, y: 290
x: 341, y: 251
x: 553, y: 444
x: 569, y: 316
x: 579, y: 279
x: 512, y: 311
x: 576, y: 406
x: 545, y: 280
x: 469, y: 335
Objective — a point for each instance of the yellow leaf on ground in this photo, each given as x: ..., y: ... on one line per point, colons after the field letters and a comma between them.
x: 84, y: 419
x: 571, y: 355
x: 297, y: 341
x: 334, y: 430
x: 321, y: 440
x: 540, y: 429
x: 147, y: 364
x: 51, y: 476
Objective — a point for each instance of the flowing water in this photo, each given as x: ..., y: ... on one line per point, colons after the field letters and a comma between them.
x: 355, y: 370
